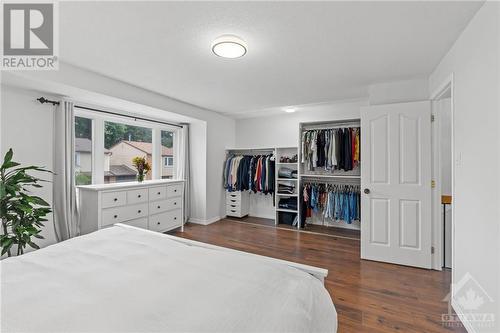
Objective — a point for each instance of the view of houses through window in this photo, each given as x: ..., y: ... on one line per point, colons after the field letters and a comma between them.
x: 167, y: 154
x: 122, y: 142
x: 83, y: 151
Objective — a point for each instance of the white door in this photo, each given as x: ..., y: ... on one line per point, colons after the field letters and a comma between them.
x: 396, y: 183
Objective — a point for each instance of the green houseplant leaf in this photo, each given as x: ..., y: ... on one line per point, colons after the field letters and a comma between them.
x: 22, y: 214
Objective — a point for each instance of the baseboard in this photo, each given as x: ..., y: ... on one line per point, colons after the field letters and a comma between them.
x: 204, y: 222
x: 460, y: 313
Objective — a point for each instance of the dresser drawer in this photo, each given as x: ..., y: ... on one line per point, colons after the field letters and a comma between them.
x: 232, y: 201
x: 121, y: 214
x: 165, y: 221
x: 139, y: 223
x: 233, y: 211
x: 174, y: 190
x: 233, y: 206
x: 137, y: 196
x: 113, y: 199
x: 164, y: 205
x: 157, y: 193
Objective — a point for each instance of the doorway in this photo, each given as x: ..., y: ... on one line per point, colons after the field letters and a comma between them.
x: 442, y: 146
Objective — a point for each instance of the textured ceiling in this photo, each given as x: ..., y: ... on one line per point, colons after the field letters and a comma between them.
x: 299, y: 52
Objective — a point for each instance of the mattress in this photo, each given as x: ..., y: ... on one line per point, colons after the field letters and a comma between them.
x: 122, y: 279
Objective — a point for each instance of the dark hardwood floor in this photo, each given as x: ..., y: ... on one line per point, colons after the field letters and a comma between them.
x: 312, y: 228
x: 369, y: 296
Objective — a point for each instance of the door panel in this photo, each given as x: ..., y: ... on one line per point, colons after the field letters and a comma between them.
x: 396, y: 169
x: 379, y: 160
x: 380, y: 221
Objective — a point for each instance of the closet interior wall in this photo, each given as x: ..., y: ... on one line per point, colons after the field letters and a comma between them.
x: 321, y: 176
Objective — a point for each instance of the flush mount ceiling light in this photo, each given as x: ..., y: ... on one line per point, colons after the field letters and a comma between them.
x: 290, y: 110
x: 229, y: 46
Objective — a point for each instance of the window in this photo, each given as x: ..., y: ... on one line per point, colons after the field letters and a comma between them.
x: 167, y: 153
x: 169, y: 161
x: 122, y: 143
x: 122, y: 140
x: 83, y: 151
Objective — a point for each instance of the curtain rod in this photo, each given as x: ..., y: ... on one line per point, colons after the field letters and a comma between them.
x: 43, y: 100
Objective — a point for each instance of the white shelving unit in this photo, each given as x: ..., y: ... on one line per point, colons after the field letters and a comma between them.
x: 353, y: 176
x: 289, y: 152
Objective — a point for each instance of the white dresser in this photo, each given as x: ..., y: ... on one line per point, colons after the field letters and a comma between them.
x: 237, y: 203
x: 154, y: 204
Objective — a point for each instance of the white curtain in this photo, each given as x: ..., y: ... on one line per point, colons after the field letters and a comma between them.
x: 64, y: 190
x: 182, y: 165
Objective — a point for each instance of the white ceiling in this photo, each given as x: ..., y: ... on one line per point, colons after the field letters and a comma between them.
x: 299, y: 52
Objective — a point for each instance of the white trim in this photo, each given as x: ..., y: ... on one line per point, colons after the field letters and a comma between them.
x: 463, y: 318
x: 317, y: 272
x: 204, y: 222
x: 437, y: 261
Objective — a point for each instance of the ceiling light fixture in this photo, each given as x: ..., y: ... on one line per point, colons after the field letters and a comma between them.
x: 290, y: 110
x: 229, y: 46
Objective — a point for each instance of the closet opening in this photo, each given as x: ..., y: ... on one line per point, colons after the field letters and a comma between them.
x: 313, y: 187
x: 442, y: 175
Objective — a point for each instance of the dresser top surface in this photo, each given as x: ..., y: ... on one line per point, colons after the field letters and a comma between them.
x: 127, y: 185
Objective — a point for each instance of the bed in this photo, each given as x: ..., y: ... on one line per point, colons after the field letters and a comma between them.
x: 125, y: 279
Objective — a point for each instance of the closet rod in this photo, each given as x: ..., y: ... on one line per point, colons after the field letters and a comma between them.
x: 43, y: 100
x: 355, y: 181
x: 320, y: 127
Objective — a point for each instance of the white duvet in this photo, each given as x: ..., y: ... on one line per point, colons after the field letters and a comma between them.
x: 126, y: 280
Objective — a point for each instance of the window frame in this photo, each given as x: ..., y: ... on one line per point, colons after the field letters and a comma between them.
x: 98, y: 120
x: 167, y: 160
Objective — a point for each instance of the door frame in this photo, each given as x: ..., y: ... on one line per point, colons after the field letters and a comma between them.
x: 438, y: 230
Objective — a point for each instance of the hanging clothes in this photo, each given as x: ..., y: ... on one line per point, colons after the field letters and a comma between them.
x: 250, y: 173
x: 331, y: 149
x: 331, y: 201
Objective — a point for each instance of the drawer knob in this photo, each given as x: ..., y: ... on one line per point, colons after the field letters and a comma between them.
x: 158, y: 223
x: 115, y: 216
x: 159, y: 193
x: 175, y: 203
x: 175, y: 190
x: 139, y: 211
x: 138, y: 195
x: 158, y: 207
x: 115, y: 199
x: 175, y: 218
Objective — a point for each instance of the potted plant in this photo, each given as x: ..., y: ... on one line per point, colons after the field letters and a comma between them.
x: 21, y: 213
x: 142, y: 167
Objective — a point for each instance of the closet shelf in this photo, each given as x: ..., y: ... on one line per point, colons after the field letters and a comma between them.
x: 331, y: 176
x: 288, y: 195
x: 287, y: 163
x: 286, y: 210
x: 291, y: 179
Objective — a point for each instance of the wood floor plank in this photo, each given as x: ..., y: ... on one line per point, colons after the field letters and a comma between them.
x: 369, y: 296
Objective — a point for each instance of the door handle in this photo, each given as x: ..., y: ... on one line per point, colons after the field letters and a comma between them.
x: 367, y: 191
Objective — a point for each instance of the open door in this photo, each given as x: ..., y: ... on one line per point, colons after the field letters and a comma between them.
x: 396, y: 183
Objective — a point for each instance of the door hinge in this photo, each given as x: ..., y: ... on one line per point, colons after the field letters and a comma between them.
x: 433, y: 183
x: 432, y: 118
x: 432, y: 250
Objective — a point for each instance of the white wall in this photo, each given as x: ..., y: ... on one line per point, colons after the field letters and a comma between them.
x: 473, y: 61
x: 26, y: 127
x: 398, y: 91
x: 283, y: 130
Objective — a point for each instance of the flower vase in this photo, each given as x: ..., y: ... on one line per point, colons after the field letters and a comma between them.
x: 140, y: 177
